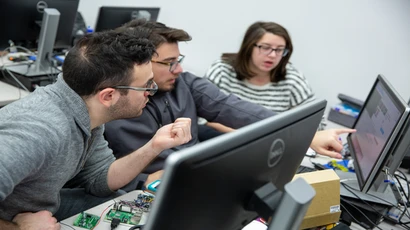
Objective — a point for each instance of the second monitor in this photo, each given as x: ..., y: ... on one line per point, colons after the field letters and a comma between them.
x: 114, y: 17
x: 381, y: 140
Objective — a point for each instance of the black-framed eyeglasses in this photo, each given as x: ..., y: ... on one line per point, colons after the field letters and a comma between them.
x: 266, y: 50
x: 150, y: 87
x: 172, y: 65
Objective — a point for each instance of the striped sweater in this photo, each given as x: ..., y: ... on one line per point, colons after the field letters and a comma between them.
x: 278, y: 97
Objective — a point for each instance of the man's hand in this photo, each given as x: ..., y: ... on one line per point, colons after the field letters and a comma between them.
x: 172, y: 135
x: 153, y: 177
x: 42, y: 220
x: 327, y: 142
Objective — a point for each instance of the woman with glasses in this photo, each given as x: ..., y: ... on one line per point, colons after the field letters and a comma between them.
x: 261, y: 72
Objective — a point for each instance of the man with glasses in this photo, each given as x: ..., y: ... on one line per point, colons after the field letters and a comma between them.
x: 54, y: 159
x: 181, y: 94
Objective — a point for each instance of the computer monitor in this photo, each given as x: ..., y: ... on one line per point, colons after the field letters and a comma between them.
x: 113, y: 17
x: 382, y: 136
x: 210, y: 185
x: 22, y: 19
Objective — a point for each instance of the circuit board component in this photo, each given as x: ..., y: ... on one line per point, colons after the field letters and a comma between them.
x: 86, y: 220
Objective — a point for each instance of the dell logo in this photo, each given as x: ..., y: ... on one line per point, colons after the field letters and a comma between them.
x: 41, y: 5
x: 276, y: 152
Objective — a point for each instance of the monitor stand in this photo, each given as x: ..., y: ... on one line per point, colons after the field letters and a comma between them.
x: 42, y: 65
x: 386, y: 198
x: 284, y: 210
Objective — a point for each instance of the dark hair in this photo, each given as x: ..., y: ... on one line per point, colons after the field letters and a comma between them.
x: 159, y: 33
x: 254, y: 33
x: 105, y: 59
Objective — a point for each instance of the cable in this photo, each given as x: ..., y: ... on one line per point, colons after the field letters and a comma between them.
x: 397, y: 177
x: 114, y: 223
x: 137, y: 227
x: 345, y: 209
x: 354, y: 206
x: 101, y: 216
x: 395, y: 184
x: 66, y: 225
x: 407, y: 181
x: 18, y: 82
x: 349, y: 188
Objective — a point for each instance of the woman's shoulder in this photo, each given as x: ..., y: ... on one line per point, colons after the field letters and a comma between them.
x: 293, y: 73
x: 220, y: 68
x: 220, y: 63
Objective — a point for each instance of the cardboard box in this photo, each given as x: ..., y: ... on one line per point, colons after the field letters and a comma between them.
x: 325, y: 206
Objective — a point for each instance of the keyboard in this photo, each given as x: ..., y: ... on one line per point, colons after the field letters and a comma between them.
x: 304, y: 169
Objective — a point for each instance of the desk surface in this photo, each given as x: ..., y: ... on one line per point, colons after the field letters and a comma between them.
x: 101, y: 210
x: 9, y: 93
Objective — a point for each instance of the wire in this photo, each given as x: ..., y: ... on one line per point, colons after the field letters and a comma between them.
x: 407, y: 182
x: 345, y: 209
x: 349, y: 188
x: 101, y: 216
x: 354, y: 206
x: 66, y: 225
x: 139, y: 227
x: 401, y: 187
x: 18, y: 82
x: 19, y: 47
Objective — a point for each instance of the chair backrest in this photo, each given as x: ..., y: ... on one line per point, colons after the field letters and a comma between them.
x: 227, y: 56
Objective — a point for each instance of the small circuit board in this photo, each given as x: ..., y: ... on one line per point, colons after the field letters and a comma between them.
x: 130, y: 212
x: 131, y: 218
x: 86, y: 220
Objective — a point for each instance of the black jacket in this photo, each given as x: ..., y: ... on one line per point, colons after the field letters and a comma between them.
x: 192, y: 97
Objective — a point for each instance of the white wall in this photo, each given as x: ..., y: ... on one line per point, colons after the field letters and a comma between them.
x: 340, y: 45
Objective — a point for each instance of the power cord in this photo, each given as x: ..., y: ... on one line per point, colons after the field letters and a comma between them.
x: 137, y: 227
x: 365, y: 216
x: 114, y: 223
x: 351, y: 190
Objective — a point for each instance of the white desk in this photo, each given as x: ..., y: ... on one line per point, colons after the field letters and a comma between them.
x: 101, y: 210
x: 9, y: 93
x: 98, y: 210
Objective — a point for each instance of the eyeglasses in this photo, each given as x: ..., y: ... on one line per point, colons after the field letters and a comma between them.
x: 266, y: 50
x: 150, y: 87
x: 172, y: 65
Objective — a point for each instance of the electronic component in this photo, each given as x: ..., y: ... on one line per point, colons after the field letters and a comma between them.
x: 131, y: 218
x: 114, y: 223
x: 154, y: 185
x: 130, y: 212
x: 86, y: 220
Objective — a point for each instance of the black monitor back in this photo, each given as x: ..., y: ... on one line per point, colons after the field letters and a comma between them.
x: 21, y: 21
x: 207, y: 186
x: 114, y: 17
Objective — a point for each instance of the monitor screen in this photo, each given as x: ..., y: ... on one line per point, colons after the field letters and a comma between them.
x: 377, y: 127
x: 22, y: 21
x: 113, y: 17
x: 209, y: 185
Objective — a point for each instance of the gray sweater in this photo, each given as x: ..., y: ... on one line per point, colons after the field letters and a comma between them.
x: 46, y: 143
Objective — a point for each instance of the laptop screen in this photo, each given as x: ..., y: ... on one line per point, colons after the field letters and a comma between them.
x: 377, y: 121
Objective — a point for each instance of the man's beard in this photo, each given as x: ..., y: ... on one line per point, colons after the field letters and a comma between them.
x: 122, y: 110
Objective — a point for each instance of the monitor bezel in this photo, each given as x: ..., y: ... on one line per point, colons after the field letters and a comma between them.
x: 366, y: 183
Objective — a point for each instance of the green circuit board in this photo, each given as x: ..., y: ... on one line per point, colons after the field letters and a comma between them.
x: 86, y: 220
x: 125, y: 217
